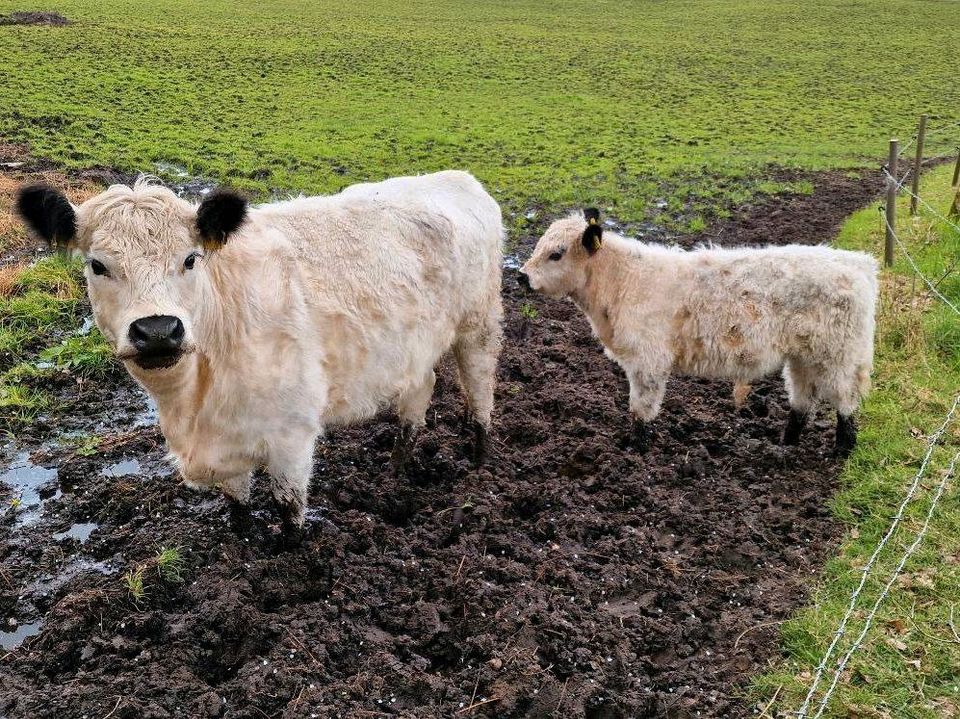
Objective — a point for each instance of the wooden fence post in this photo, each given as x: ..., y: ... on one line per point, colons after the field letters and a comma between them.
x: 956, y: 171
x: 891, y: 201
x: 915, y: 183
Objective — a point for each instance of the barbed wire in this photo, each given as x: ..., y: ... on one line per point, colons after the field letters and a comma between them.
x: 951, y: 124
x: 865, y: 572
x: 932, y: 443
x: 868, y: 622
x: 933, y: 210
x: 913, y: 264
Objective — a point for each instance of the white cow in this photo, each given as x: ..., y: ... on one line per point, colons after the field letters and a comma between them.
x: 738, y: 314
x: 254, y: 328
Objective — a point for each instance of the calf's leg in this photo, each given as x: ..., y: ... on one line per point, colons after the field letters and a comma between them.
x: 476, y: 350
x: 843, y: 389
x: 801, y: 392
x: 646, y: 395
x: 412, y: 407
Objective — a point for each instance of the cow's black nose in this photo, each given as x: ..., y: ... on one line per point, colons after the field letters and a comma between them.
x: 157, y: 335
x: 523, y: 280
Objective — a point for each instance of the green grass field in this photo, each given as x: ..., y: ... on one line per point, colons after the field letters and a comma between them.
x: 909, y: 664
x: 550, y: 104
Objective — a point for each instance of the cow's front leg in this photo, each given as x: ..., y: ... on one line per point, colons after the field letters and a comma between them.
x: 290, y: 465
x: 236, y: 490
x: 412, y: 408
x: 646, y: 395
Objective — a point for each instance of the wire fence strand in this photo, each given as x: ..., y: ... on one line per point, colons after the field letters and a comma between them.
x: 932, y: 443
x: 868, y: 622
x: 930, y: 208
x: 865, y: 572
x: 913, y: 264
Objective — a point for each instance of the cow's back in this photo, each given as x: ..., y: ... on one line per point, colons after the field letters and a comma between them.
x: 390, y: 271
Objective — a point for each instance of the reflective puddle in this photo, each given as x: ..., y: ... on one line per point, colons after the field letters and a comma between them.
x: 12, y: 639
x: 81, y: 532
x: 122, y: 468
x: 32, y: 485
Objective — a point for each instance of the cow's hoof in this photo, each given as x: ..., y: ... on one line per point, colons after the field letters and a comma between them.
x: 846, y: 436
x: 795, y: 424
x: 241, y: 520
x: 641, y: 436
x: 402, y: 451
x: 481, y: 444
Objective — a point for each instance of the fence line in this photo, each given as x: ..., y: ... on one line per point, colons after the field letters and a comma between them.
x: 932, y: 442
x: 903, y: 248
x: 842, y: 664
x: 865, y: 572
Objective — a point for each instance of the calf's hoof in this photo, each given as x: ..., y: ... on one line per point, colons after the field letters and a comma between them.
x: 795, y: 424
x: 846, y: 436
x: 402, y: 450
x: 641, y: 436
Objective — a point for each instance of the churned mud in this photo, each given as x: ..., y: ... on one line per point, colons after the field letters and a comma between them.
x: 570, y: 577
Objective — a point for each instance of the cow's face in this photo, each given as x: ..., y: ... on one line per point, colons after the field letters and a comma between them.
x: 145, y: 256
x: 558, y: 265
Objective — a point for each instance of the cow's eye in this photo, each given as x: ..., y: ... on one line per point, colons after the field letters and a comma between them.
x: 98, y: 267
x: 191, y: 260
x: 556, y: 256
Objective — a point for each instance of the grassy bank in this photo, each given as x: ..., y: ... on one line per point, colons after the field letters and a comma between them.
x: 42, y: 307
x: 670, y: 109
x: 907, y: 666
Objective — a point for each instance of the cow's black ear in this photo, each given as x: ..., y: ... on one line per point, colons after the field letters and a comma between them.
x: 48, y: 213
x: 593, y: 235
x: 220, y: 214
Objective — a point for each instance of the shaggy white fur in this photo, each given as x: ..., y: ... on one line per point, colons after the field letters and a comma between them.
x: 738, y: 314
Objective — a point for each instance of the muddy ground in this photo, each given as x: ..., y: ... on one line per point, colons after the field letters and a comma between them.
x: 570, y: 577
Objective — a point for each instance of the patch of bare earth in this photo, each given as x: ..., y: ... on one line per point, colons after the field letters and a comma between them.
x: 34, y: 18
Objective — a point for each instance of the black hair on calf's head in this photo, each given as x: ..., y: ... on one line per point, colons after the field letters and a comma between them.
x: 48, y: 213
x: 221, y: 213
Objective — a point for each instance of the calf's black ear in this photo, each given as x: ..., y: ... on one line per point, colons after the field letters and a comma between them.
x: 221, y: 213
x: 593, y: 235
x: 48, y: 213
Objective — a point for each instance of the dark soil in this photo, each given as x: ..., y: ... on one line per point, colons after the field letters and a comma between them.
x: 34, y: 18
x: 570, y: 577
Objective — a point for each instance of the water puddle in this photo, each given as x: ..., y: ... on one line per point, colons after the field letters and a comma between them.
x: 31, y: 485
x: 14, y: 638
x: 85, y: 327
x: 81, y: 532
x: 185, y: 185
x: 122, y: 468
x: 511, y: 262
x: 148, y: 417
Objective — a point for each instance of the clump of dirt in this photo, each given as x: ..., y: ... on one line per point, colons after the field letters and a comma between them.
x: 572, y: 576
x: 34, y: 18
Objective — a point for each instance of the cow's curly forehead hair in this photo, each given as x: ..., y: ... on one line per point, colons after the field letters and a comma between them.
x: 126, y: 215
